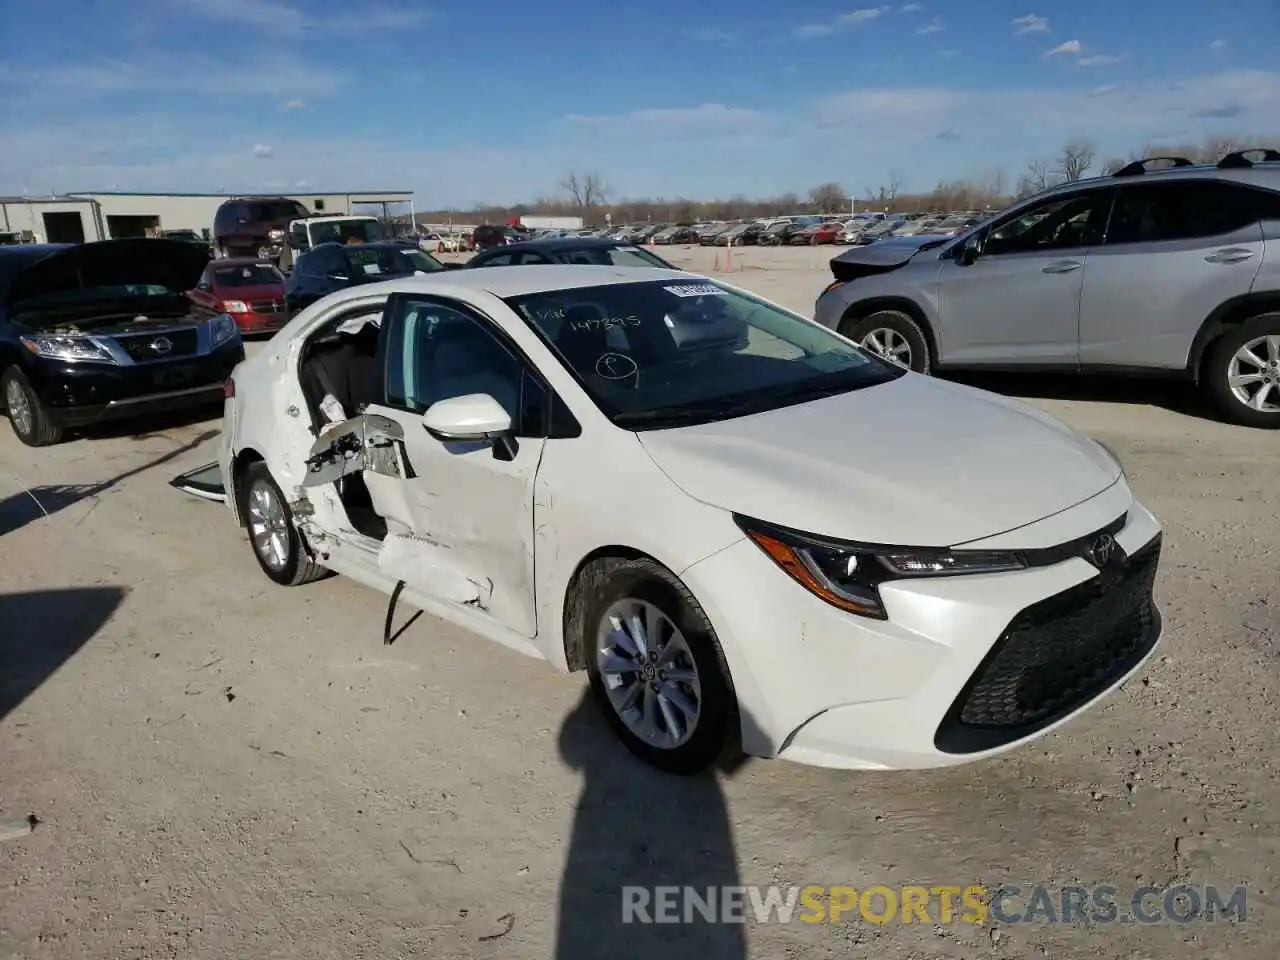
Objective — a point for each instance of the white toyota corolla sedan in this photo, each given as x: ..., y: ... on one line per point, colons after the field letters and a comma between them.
x: 751, y: 534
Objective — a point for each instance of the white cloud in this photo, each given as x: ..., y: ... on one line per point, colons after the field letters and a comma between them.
x: 864, y: 16
x: 933, y: 26
x: 297, y: 104
x: 811, y: 31
x: 706, y: 120
x: 166, y: 73
x: 1098, y: 60
x: 1069, y: 46
x: 262, y: 151
x: 1219, y: 45
x: 282, y: 18
x: 872, y: 129
x: 1031, y: 23
x: 1250, y: 98
x: 911, y: 8
x: 714, y: 36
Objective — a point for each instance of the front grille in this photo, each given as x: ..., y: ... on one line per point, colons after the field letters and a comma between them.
x: 1056, y: 655
x: 265, y: 306
x: 146, y: 347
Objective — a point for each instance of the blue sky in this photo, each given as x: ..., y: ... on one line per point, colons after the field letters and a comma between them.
x: 466, y: 102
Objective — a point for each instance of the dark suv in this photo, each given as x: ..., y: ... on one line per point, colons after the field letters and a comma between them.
x: 99, y: 331
x: 255, y: 226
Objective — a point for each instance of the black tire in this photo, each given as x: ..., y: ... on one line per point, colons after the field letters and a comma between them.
x: 716, y: 735
x: 298, y: 567
x: 1215, y: 373
x: 900, y: 323
x: 42, y: 431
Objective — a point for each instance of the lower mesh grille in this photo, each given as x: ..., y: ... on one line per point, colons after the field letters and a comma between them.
x: 1056, y: 655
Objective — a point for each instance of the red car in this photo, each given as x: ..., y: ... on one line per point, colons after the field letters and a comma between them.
x: 250, y: 290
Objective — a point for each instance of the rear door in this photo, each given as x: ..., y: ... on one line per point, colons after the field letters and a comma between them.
x: 1174, y: 252
x: 1019, y: 302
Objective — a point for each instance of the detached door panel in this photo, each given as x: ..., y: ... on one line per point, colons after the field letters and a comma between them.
x: 464, y: 512
x: 1174, y: 252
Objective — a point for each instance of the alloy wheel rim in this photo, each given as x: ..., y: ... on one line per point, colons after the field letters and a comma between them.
x: 889, y: 345
x: 268, y: 526
x: 649, y: 673
x: 19, y: 407
x: 1254, y: 374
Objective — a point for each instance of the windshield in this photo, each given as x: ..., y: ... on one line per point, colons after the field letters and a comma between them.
x: 391, y: 261
x: 620, y: 256
x: 277, y: 210
x: 249, y: 275
x: 661, y: 353
x: 346, y: 231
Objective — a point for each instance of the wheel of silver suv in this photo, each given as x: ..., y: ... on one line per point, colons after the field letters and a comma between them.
x: 1242, y: 372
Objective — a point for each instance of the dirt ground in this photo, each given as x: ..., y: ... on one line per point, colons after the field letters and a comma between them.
x: 222, y: 768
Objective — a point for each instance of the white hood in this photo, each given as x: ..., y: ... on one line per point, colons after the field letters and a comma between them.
x: 913, y: 462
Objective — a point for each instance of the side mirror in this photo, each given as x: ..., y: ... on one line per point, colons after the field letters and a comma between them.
x: 476, y: 416
x: 970, y: 250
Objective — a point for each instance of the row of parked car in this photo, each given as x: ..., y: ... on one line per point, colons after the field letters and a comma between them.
x: 798, y: 230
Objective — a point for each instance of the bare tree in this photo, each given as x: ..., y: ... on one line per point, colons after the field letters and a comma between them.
x: 887, y: 192
x: 1075, y: 160
x: 828, y: 198
x: 586, y: 190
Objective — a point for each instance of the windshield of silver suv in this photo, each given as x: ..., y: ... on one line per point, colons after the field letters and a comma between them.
x: 662, y: 353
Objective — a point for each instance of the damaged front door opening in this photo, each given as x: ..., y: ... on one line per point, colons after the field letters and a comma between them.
x: 368, y: 442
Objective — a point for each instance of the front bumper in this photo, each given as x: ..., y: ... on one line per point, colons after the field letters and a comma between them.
x: 76, y: 394
x: 964, y: 668
x: 251, y: 323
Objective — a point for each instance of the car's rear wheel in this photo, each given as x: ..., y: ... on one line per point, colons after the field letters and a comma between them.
x: 892, y: 335
x: 273, y: 535
x: 1242, y: 372
x: 655, y: 666
x: 27, y: 415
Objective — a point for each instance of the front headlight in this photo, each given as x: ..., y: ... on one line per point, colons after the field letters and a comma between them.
x: 67, y: 348
x: 275, y: 234
x: 221, y: 329
x: 848, y: 575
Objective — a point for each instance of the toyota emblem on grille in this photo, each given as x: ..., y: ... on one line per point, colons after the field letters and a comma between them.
x: 161, y: 345
x: 1100, y: 552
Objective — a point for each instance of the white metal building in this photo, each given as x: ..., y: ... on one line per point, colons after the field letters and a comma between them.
x: 84, y: 217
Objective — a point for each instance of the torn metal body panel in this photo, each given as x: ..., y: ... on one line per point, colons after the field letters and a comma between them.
x: 368, y: 442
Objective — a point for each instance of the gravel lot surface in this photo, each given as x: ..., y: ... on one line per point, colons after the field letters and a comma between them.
x: 224, y: 768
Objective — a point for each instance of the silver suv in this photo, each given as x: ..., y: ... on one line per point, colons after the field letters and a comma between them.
x: 1173, y: 271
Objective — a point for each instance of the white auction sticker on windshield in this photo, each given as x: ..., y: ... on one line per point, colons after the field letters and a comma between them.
x: 697, y: 290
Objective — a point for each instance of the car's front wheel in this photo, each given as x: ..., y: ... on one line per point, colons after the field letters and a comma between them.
x: 27, y: 415
x: 1242, y: 372
x: 655, y: 666
x: 273, y: 535
x: 892, y: 335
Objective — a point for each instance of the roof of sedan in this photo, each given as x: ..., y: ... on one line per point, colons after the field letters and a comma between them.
x: 568, y: 243
x: 521, y: 280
